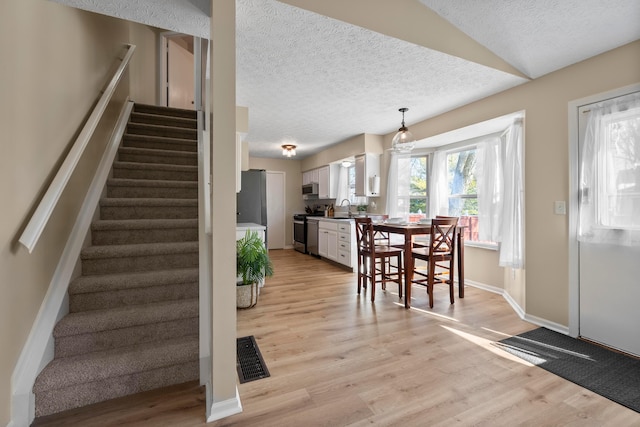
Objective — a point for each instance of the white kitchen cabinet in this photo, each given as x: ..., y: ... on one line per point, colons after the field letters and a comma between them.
x: 346, y: 243
x: 328, y: 240
x: 323, y: 182
x: 336, y: 241
x: 368, y: 175
x: 327, y: 181
x: 309, y: 177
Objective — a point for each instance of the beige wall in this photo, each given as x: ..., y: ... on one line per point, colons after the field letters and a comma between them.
x: 143, y: 70
x: 293, y: 183
x: 545, y: 102
x: 363, y: 143
x: 55, y: 62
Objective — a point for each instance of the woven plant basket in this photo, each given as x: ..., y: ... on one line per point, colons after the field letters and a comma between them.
x: 246, y: 295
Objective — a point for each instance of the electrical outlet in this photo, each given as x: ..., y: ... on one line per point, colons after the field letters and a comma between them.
x: 560, y: 207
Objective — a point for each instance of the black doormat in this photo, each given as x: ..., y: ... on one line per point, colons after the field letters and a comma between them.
x: 249, y: 362
x: 605, y: 372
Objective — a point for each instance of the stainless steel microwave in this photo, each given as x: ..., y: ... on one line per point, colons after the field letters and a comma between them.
x: 310, y: 190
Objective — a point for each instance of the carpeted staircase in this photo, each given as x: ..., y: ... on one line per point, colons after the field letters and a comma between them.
x: 133, y: 321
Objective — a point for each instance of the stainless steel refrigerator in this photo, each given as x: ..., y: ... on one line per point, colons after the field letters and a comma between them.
x: 251, y: 201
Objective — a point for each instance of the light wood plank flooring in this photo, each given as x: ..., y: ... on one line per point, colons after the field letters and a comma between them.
x: 336, y: 359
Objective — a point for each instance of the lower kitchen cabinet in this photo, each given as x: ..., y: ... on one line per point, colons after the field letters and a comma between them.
x: 336, y: 241
x: 328, y: 240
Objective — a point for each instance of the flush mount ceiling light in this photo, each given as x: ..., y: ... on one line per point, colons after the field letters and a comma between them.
x: 403, y: 141
x: 288, y: 150
x: 346, y: 163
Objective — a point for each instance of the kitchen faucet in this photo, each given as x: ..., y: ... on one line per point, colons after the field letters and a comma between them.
x: 349, y: 208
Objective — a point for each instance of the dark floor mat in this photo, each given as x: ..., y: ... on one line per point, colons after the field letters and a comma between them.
x: 605, y: 372
x: 249, y: 363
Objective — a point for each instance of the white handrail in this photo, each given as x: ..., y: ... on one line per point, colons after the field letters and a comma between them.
x: 44, y: 210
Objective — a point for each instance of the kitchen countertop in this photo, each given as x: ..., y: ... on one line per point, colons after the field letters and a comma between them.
x: 332, y: 219
x: 241, y: 226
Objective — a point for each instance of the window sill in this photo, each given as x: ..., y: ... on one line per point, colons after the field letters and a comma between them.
x: 489, y: 246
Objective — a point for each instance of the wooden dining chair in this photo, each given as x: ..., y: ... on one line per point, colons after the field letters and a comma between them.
x: 374, y: 259
x: 439, y: 256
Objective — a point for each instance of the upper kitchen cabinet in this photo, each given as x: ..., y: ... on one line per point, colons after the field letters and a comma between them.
x: 368, y: 175
x: 327, y: 181
x: 309, y: 177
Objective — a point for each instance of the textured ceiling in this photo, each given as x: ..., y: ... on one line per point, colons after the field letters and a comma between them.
x: 183, y: 16
x: 541, y: 36
x: 312, y: 80
x: 315, y: 81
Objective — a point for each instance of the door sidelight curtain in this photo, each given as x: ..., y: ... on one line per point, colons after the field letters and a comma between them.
x: 610, y: 173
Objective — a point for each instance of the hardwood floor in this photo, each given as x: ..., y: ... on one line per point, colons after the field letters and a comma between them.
x: 336, y: 359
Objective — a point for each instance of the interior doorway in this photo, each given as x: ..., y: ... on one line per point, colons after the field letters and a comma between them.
x: 177, y: 76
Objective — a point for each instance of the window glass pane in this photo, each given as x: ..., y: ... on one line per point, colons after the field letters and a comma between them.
x: 463, y: 200
x: 621, y: 201
x: 418, y: 176
x: 461, y: 172
x: 417, y: 188
x: 355, y: 200
x: 418, y: 205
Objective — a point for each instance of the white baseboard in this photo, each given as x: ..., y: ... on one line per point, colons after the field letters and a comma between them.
x: 547, y: 324
x: 519, y: 310
x: 224, y: 408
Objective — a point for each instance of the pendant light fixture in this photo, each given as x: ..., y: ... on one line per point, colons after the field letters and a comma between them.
x: 403, y: 141
x: 288, y: 150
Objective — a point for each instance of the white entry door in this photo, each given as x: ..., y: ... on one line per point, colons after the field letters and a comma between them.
x: 609, y: 224
x: 275, y: 210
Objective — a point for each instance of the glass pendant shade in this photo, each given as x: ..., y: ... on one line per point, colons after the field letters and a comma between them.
x: 403, y: 141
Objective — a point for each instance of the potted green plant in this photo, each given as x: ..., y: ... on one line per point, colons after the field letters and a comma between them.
x: 252, y: 266
x: 362, y: 209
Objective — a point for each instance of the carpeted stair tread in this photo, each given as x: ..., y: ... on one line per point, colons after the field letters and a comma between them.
x: 148, y: 208
x: 155, y: 166
x: 164, y: 111
x: 160, y: 130
x: 143, y: 224
x: 147, y: 188
x: 122, y: 317
x: 127, y: 182
x: 155, y: 155
x: 159, y: 152
x: 87, y: 368
x: 120, y: 281
x: 143, y: 249
x: 164, y: 120
x: 138, y: 231
x: 177, y: 144
x: 148, y: 201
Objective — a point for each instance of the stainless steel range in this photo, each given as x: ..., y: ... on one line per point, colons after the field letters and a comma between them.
x: 301, y: 232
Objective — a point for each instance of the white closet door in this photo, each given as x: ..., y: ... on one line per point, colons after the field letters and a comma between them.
x: 275, y: 210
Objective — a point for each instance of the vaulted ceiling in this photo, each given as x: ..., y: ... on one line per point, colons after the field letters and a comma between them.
x: 315, y: 73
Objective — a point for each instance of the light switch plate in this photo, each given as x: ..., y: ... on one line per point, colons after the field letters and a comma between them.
x: 560, y: 207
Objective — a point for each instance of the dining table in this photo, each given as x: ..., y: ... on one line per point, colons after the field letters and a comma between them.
x: 409, y: 231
